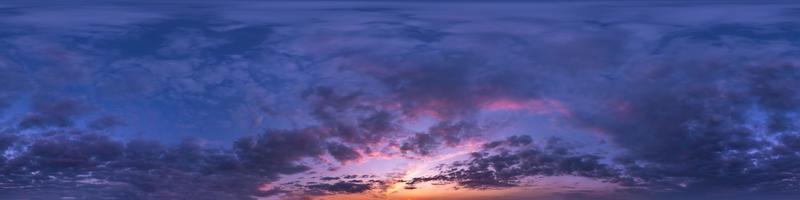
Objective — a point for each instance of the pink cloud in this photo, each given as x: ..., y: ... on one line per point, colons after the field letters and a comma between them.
x: 537, y: 106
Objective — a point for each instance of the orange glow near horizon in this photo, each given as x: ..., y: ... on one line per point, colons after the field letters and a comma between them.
x: 543, y: 189
x: 395, y: 169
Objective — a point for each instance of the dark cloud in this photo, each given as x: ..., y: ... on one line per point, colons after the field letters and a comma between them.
x: 328, y: 178
x: 62, y: 152
x: 352, y: 176
x: 6, y: 142
x: 48, y: 112
x: 349, y: 119
x: 513, y: 141
x: 89, y: 165
x: 509, y: 166
x: 452, y: 133
x: 339, y: 187
x: 330, y: 185
x: 444, y: 133
x: 420, y: 143
x: 701, y: 133
x: 343, y: 153
x: 688, y: 124
x: 278, y: 152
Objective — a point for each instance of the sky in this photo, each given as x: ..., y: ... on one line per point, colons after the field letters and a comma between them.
x: 400, y: 100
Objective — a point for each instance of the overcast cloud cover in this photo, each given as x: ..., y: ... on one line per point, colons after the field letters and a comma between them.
x: 399, y: 100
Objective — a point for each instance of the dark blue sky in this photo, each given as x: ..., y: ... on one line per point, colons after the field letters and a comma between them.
x: 399, y: 100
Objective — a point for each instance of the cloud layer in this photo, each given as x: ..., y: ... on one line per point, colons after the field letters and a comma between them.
x: 247, y: 100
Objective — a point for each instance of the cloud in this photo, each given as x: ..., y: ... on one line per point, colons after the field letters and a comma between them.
x: 6, y: 142
x: 340, y: 187
x: 48, y: 112
x: 343, y: 153
x: 278, y: 152
x: 507, y: 163
x: 700, y: 133
x: 442, y: 134
x: 420, y: 143
x: 80, y: 19
x: 89, y: 165
x: 689, y: 121
x: 690, y: 103
x: 105, y: 122
x: 513, y: 141
x: 336, y: 112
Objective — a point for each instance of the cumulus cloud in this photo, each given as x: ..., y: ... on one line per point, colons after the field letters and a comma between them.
x: 340, y: 187
x: 442, y: 134
x: 705, y: 133
x: 89, y: 165
x: 277, y: 152
x: 342, y: 152
x: 508, y: 162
